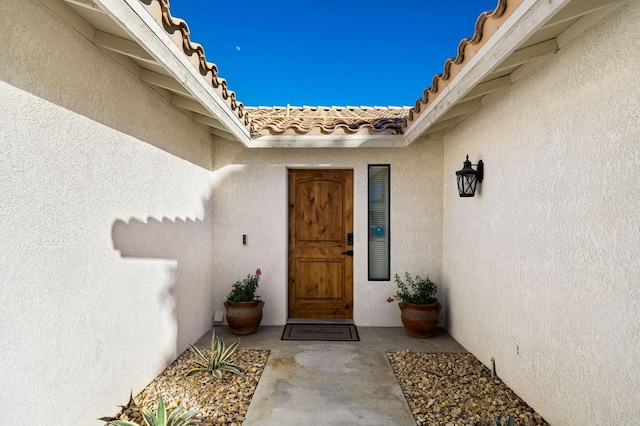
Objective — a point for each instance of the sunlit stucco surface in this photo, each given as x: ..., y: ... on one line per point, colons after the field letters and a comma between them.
x: 540, y: 269
x: 250, y: 198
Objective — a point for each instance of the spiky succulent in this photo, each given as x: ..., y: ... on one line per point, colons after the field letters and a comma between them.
x: 218, y: 361
x: 176, y: 418
x: 508, y: 422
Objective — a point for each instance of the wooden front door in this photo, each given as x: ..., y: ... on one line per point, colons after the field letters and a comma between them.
x: 320, y: 220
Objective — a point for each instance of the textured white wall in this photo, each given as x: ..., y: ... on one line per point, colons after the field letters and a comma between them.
x: 547, y: 257
x: 105, y: 226
x: 250, y: 197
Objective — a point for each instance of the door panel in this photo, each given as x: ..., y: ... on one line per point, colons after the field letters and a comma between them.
x: 320, y: 211
x: 320, y: 217
x: 319, y: 279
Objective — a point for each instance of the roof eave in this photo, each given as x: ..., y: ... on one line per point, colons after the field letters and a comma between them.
x: 524, y: 22
x: 133, y: 17
x: 329, y: 141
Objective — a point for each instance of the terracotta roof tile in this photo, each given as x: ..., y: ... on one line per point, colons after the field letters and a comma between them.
x: 327, y: 120
x: 178, y: 30
x: 486, y: 25
x: 294, y: 120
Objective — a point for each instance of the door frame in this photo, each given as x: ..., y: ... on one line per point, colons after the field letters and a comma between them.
x: 289, y: 169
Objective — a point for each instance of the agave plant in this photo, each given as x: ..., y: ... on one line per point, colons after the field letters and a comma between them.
x: 219, y: 360
x: 176, y: 418
x: 508, y: 422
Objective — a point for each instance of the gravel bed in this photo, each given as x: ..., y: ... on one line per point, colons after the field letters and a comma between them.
x: 219, y: 402
x: 440, y: 388
x: 456, y: 389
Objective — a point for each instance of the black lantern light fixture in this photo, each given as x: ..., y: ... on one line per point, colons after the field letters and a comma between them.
x: 468, y: 178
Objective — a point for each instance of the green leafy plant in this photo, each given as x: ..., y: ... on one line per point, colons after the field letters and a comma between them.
x: 419, y: 291
x: 176, y: 418
x: 508, y: 422
x: 245, y: 290
x: 218, y: 361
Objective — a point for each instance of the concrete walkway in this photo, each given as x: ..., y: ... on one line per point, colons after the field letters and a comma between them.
x: 332, y: 383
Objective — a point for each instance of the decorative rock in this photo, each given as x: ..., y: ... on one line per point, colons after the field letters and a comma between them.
x: 465, y: 394
x: 219, y: 402
x: 441, y: 389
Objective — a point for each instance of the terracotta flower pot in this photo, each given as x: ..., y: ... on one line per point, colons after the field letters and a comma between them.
x: 419, y: 320
x: 244, y: 317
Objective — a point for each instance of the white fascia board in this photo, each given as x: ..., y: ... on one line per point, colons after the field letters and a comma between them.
x: 526, y: 20
x: 134, y: 18
x: 329, y: 141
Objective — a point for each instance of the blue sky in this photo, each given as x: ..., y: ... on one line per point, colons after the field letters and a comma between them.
x: 330, y: 52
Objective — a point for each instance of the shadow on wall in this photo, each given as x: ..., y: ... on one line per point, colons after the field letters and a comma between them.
x: 190, y: 243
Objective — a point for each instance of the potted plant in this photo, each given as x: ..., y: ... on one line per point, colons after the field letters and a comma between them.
x: 243, y: 306
x: 419, y: 307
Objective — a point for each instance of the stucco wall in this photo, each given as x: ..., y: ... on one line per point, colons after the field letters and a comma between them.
x: 250, y: 196
x: 541, y: 268
x: 105, y: 224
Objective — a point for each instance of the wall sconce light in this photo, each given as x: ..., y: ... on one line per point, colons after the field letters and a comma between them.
x: 468, y: 178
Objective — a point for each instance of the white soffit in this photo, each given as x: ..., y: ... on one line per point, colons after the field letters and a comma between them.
x: 128, y: 33
x: 534, y: 33
x: 329, y: 141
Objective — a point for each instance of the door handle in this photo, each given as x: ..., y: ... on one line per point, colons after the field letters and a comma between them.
x: 348, y: 252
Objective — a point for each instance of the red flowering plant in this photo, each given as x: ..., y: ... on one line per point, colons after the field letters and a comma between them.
x: 245, y: 290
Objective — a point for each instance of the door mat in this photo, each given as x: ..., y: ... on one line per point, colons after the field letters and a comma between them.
x: 323, y: 332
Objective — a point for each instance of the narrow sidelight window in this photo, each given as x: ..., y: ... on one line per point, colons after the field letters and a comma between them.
x: 379, y: 264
